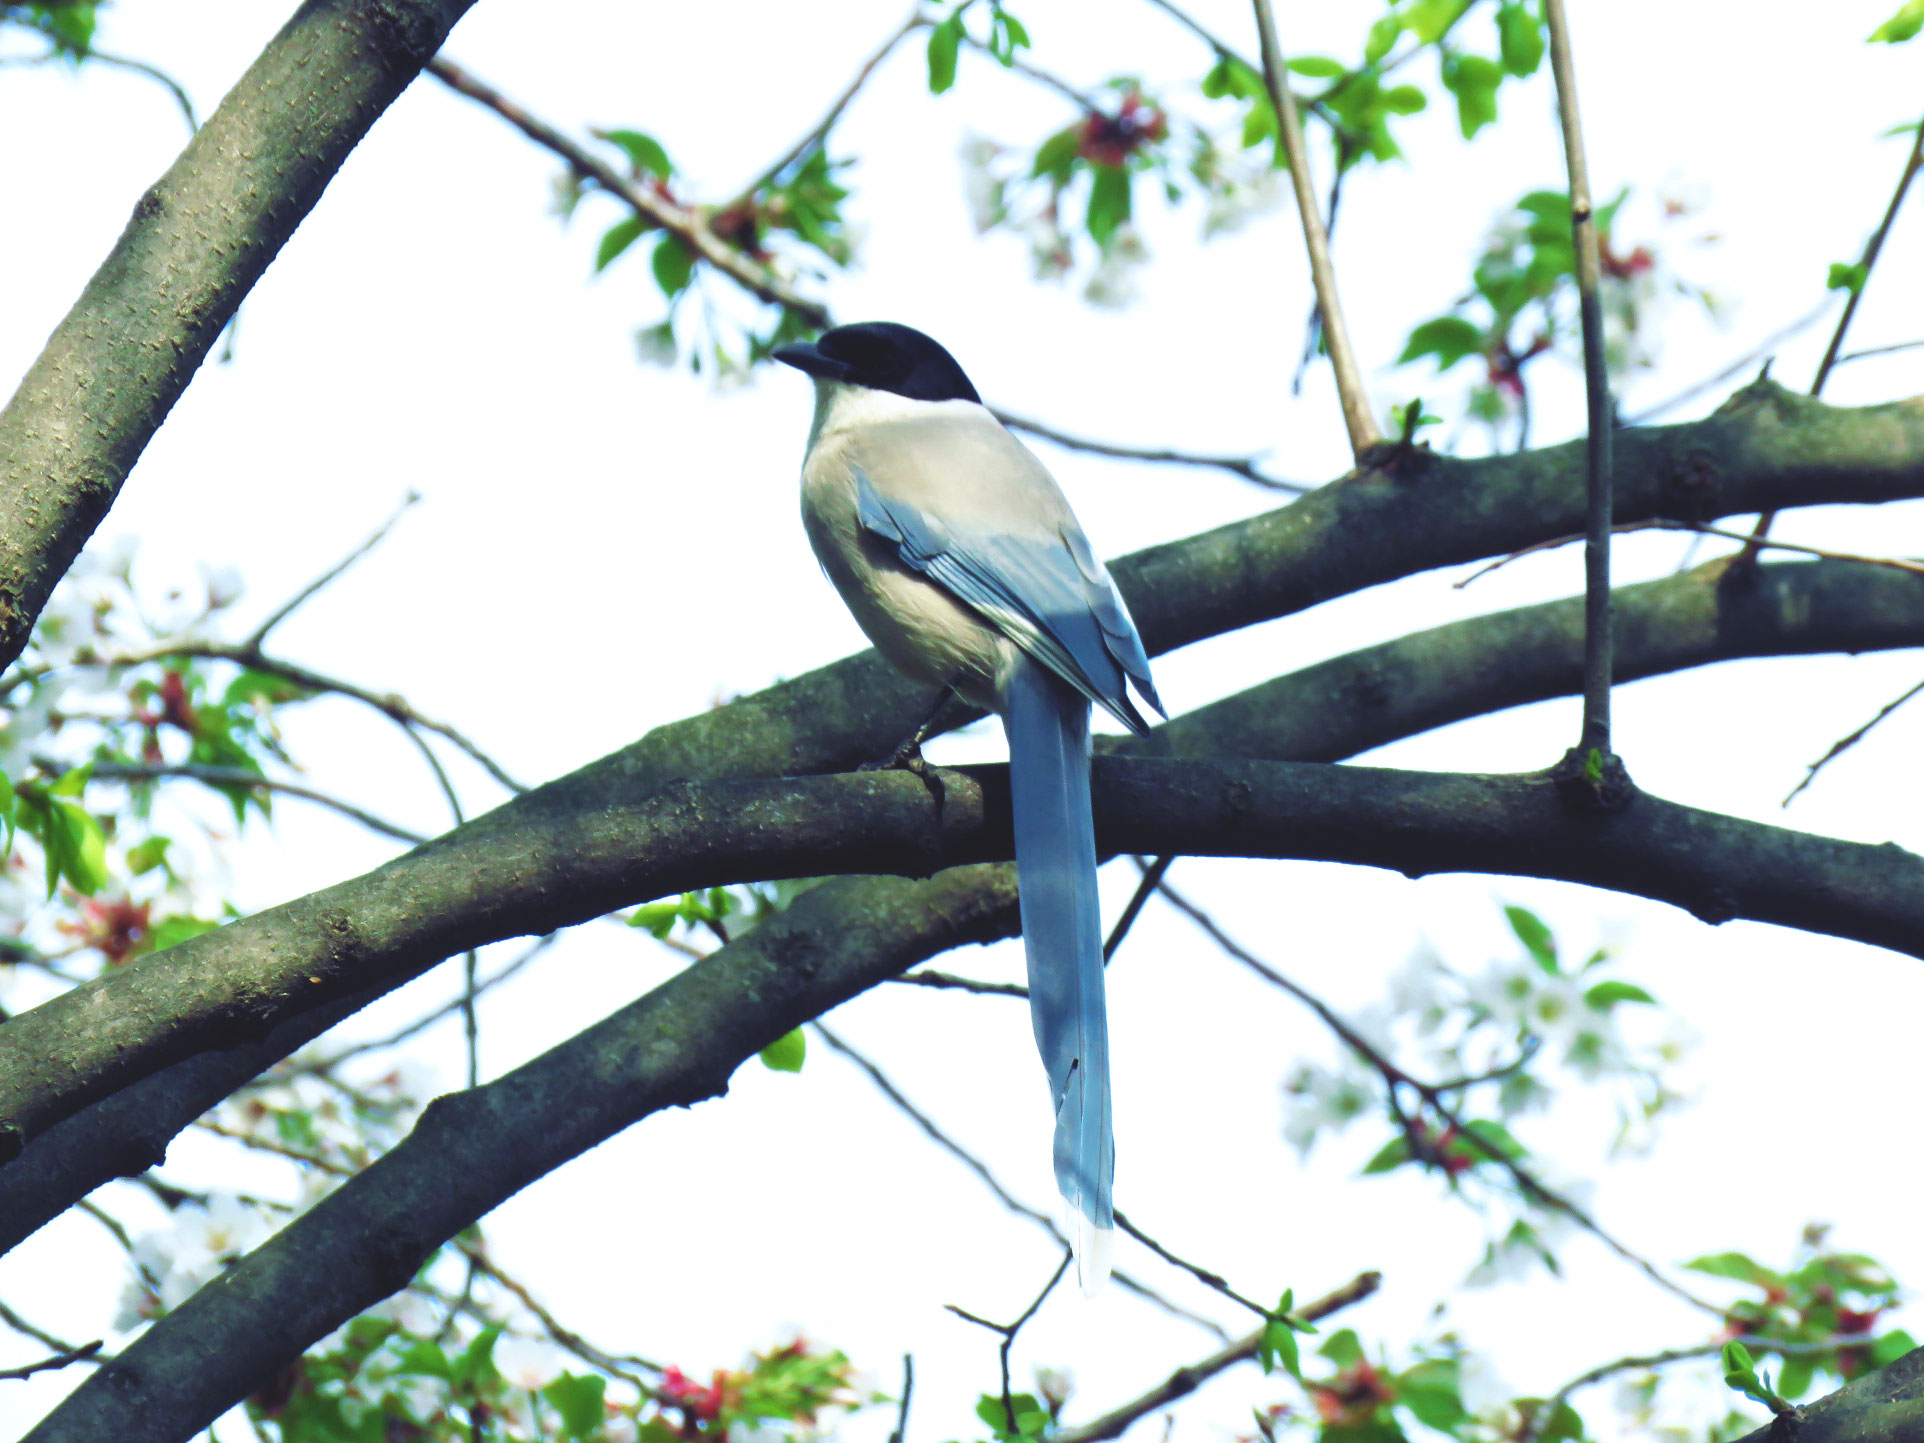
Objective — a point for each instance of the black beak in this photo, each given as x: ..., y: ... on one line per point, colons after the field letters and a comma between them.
x: 805, y: 356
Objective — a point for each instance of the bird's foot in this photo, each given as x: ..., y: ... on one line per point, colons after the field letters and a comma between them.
x: 908, y: 758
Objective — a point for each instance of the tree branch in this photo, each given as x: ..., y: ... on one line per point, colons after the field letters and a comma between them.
x: 1592, y: 755
x: 686, y: 224
x: 1325, y: 712
x: 1184, y: 1381
x: 1357, y: 416
x: 194, y: 245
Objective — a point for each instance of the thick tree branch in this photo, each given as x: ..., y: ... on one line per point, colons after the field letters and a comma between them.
x: 554, y: 871
x: 1325, y: 712
x: 1882, y: 1407
x: 673, y: 1048
x: 194, y: 245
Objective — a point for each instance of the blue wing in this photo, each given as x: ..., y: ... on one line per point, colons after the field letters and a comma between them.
x: 1040, y: 585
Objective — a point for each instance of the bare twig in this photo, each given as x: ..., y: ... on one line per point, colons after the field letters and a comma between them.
x: 974, y: 1164
x: 1009, y: 1331
x: 1869, y: 351
x: 1243, y: 466
x: 1152, y: 875
x: 421, y: 1024
x: 929, y: 977
x: 1759, y: 352
x: 562, y: 1334
x: 1186, y: 1380
x: 818, y: 135
x: 1845, y: 743
x: 218, y: 776
x: 1201, y: 1274
x: 1594, y: 744
x: 1357, y: 417
x: 688, y: 225
x: 258, y: 637
x: 83, y: 1354
x: 40, y: 1335
x: 908, y: 1391
x: 1665, y: 523
x: 1394, y: 1077
x: 1872, y: 248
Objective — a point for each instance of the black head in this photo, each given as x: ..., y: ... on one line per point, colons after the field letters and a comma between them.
x: 883, y: 357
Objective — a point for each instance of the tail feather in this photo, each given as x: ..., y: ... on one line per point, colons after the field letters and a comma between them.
x: 1055, y: 855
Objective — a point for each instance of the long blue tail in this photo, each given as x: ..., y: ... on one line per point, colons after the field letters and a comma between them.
x: 1055, y: 857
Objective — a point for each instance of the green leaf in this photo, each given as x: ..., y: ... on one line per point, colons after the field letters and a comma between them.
x: 1432, y: 1390
x: 1109, y: 202
x: 616, y: 239
x: 1889, y: 1348
x: 76, y: 848
x: 1499, y: 1138
x: 1430, y: 20
x: 1343, y: 1348
x: 1382, y: 37
x: 172, y: 931
x: 1393, y: 1154
x: 1902, y: 26
x: 424, y: 1358
x: 787, y: 1052
x: 1056, y: 156
x: 1318, y: 67
x: 1536, y: 937
x: 945, y: 44
x: 1739, y: 1267
x: 673, y: 264
x: 1519, y: 38
x: 1404, y: 100
x: 476, y: 1363
x: 1607, y: 994
x: 1794, y: 1377
x: 644, y: 152
x: 1006, y: 35
x: 578, y: 1400
x: 1030, y: 1416
x: 1449, y: 338
x: 1278, y: 1345
x: 1847, y: 277
x: 1473, y: 80
x: 70, y: 26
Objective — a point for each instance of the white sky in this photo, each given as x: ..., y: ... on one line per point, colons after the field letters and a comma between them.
x: 605, y: 547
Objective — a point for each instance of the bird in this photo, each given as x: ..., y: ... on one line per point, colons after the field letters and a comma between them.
x: 959, y: 556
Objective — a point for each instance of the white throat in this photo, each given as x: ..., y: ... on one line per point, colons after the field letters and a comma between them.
x: 840, y: 406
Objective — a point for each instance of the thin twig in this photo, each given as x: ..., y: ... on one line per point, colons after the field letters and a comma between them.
x: 1666, y: 523
x: 40, y: 1335
x: 1201, y: 1274
x: 390, y: 705
x: 1878, y: 351
x: 1872, y: 248
x: 1152, y: 875
x: 1186, y: 1380
x: 1394, y: 1076
x: 83, y: 1354
x: 908, y: 1392
x: 1009, y: 1331
x: 1598, y: 616
x: 974, y: 1164
x: 217, y: 776
x: 608, y: 1362
x: 817, y: 136
x: 1844, y: 744
x: 1243, y: 466
x: 1763, y: 349
x: 1357, y: 417
x: 258, y: 637
x: 948, y: 981
x: 688, y: 225
x: 421, y: 1024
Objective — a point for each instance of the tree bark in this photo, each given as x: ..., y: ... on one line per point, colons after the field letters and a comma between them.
x: 196, y: 242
